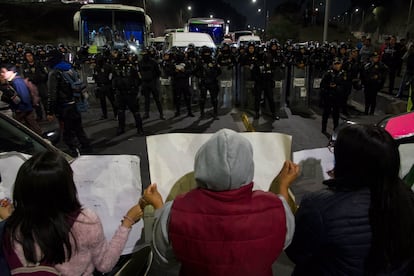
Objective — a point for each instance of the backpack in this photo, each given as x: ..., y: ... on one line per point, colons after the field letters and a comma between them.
x: 34, y: 92
x: 72, y: 77
x: 78, y: 89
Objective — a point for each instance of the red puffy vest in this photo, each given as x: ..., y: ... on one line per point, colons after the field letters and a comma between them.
x: 237, y: 232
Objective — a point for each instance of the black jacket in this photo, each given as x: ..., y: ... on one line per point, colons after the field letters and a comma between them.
x: 332, y: 233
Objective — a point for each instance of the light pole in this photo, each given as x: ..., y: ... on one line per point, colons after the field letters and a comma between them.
x: 266, y: 20
x: 326, y: 21
x: 409, y: 17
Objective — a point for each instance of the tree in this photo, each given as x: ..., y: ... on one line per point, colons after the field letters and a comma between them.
x: 285, y: 22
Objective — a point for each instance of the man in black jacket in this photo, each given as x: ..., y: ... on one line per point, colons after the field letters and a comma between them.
x: 62, y: 104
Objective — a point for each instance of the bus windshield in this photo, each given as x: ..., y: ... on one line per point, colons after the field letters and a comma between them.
x: 112, y: 27
x: 215, y: 28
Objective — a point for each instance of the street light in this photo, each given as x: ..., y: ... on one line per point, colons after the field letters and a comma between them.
x: 352, y: 15
x: 211, y: 16
x: 266, y: 17
x: 189, y: 8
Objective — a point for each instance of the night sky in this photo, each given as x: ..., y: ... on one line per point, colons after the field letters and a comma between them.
x: 254, y: 18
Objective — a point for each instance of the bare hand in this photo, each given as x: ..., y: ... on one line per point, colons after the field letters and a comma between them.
x: 288, y: 173
x: 153, y: 197
x: 6, y: 208
x: 133, y: 215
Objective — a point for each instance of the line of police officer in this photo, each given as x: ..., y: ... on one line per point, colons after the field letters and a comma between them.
x: 119, y: 74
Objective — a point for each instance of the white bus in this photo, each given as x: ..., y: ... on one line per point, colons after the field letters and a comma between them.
x: 215, y: 27
x: 112, y: 24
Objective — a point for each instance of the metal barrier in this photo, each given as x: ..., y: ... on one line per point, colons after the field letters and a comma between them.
x: 226, y: 99
x: 314, y: 85
x: 166, y: 95
x: 246, y: 88
x: 299, y: 97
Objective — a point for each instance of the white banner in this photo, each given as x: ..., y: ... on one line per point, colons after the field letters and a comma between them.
x: 171, y: 156
x: 107, y: 184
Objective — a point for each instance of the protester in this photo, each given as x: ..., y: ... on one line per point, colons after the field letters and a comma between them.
x: 223, y: 227
x: 16, y: 93
x: 362, y: 223
x: 62, y: 104
x: 49, y: 226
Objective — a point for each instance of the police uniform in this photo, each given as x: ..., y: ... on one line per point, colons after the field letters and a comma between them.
x: 332, y: 88
x: 373, y: 78
x: 150, y: 72
x: 126, y: 83
x: 103, y: 78
x: 207, y: 70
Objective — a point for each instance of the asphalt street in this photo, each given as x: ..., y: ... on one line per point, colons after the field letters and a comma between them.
x: 303, y: 123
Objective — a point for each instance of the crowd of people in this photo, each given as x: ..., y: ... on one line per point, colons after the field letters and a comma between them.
x: 360, y: 224
x: 122, y: 76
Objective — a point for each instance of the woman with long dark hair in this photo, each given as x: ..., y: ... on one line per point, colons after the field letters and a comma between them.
x: 48, y: 225
x: 362, y: 224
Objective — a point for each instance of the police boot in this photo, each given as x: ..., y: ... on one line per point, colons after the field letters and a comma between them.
x: 162, y: 116
x: 177, y: 111
x: 189, y: 113
x: 202, y: 114
x: 121, y: 123
x: 215, y: 113
x: 138, y: 123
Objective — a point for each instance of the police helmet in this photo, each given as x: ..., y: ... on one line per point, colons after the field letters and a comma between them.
x: 205, y: 50
x: 191, y: 46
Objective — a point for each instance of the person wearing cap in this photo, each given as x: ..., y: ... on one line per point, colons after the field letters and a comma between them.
x: 391, y: 57
x: 223, y: 227
x: 373, y: 78
x: 333, y: 85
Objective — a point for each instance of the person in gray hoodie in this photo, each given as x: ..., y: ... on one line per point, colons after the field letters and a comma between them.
x: 214, y: 227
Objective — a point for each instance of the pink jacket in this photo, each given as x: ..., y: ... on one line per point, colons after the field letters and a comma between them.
x: 93, y: 250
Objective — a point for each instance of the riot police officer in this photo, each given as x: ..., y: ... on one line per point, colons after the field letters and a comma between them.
x: 103, y: 78
x: 180, y: 73
x: 207, y: 70
x: 373, y: 78
x: 126, y: 83
x: 227, y: 63
x: 332, y: 88
x: 262, y: 73
x: 150, y: 73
